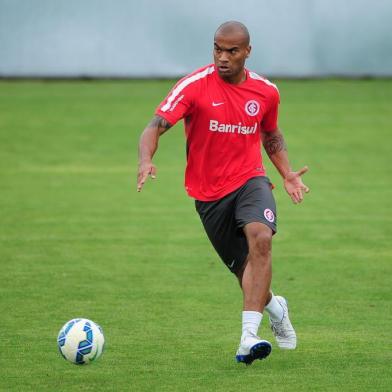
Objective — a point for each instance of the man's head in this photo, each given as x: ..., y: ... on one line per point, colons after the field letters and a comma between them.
x: 231, y: 49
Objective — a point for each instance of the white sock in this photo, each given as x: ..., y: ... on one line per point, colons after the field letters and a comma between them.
x: 274, y: 309
x: 250, y: 322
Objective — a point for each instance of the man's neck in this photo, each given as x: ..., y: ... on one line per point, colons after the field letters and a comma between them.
x: 237, y: 79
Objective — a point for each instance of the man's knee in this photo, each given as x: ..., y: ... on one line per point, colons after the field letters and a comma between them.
x: 262, y: 242
x: 259, y: 237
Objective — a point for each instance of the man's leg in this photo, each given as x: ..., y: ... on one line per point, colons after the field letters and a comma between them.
x: 255, y: 280
x: 256, y: 276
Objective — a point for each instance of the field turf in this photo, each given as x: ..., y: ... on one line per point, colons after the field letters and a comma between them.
x: 76, y: 240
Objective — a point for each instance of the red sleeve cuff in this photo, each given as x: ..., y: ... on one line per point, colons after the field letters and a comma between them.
x: 170, y: 119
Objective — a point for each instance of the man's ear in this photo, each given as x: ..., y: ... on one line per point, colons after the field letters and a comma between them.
x: 249, y: 49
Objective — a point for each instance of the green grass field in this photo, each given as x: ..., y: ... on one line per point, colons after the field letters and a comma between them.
x: 77, y: 240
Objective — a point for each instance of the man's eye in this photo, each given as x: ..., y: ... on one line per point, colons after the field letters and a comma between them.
x: 233, y: 51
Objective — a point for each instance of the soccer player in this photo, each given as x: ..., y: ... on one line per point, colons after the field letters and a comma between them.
x: 227, y: 111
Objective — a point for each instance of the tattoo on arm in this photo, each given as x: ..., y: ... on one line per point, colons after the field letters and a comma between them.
x: 160, y: 123
x: 273, y: 142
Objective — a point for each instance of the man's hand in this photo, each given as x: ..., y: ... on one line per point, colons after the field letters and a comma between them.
x: 145, y: 169
x: 148, y: 144
x: 294, y: 185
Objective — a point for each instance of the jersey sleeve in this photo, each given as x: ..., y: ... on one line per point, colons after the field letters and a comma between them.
x: 178, y: 103
x: 270, y: 119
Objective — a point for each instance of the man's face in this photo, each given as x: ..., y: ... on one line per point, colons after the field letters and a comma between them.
x: 230, y: 53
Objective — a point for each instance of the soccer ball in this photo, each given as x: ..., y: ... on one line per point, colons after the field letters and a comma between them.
x: 81, y: 341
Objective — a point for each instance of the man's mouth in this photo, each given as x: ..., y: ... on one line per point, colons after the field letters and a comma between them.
x: 223, y: 68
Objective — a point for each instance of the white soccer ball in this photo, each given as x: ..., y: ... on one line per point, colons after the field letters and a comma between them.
x: 81, y: 341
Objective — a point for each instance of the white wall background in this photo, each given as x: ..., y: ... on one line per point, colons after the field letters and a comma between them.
x: 130, y: 38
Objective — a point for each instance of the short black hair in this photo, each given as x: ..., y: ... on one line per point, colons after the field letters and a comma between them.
x: 233, y: 26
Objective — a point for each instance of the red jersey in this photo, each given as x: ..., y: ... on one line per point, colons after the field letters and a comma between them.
x: 222, y: 127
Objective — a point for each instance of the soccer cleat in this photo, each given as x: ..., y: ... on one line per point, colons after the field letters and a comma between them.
x: 252, y: 348
x: 283, y: 330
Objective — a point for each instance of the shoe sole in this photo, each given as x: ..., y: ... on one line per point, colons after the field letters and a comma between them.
x: 287, y: 347
x: 260, y: 351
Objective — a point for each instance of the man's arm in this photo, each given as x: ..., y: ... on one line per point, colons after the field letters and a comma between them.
x: 276, y: 149
x: 148, y: 145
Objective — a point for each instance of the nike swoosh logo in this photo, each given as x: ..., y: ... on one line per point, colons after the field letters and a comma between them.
x: 217, y: 103
x: 232, y: 263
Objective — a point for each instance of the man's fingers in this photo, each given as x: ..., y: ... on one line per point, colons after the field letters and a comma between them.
x: 140, y: 185
x: 142, y: 179
x: 294, y: 198
x: 153, y: 172
x: 304, y: 188
x: 298, y: 196
x: 302, y: 171
x: 145, y: 170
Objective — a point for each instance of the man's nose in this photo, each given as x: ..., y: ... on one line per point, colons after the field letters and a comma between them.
x: 223, y: 57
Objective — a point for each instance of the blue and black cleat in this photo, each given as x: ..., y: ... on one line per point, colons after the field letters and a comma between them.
x: 259, y: 350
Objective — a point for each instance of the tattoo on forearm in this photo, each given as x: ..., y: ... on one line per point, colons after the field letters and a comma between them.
x: 274, y: 143
x: 159, y: 122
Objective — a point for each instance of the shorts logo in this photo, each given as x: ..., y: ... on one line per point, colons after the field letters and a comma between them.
x: 269, y: 215
x: 252, y: 108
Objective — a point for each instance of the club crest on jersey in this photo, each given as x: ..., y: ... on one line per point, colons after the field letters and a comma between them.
x: 252, y: 107
x: 269, y: 215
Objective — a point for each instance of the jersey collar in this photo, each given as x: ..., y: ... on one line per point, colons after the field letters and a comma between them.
x: 230, y: 84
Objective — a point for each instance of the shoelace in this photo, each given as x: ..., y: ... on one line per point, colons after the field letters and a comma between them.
x: 280, y: 330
